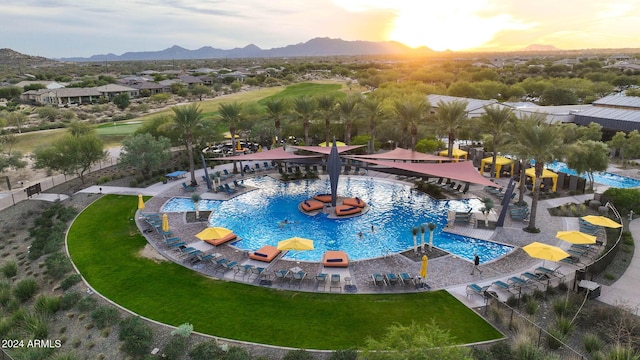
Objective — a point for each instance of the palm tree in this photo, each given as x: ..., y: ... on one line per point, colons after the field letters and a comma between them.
x: 276, y: 109
x: 231, y: 114
x: 186, y: 120
x: 486, y: 210
x: 348, y: 108
x: 326, y: 106
x: 535, y: 139
x: 496, y: 122
x: 414, y: 231
x: 305, y: 106
x: 450, y: 117
x: 372, y: 109
x: 412, y: 112
x: 196, y: 199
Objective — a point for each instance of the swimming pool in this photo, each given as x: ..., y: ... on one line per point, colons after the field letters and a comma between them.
x: 604, y: 177
x: 394, y: 210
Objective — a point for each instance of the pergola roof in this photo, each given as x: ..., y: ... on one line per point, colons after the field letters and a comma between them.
x: 273, y: 154
x: 461, y: 171
x: 403, y: 154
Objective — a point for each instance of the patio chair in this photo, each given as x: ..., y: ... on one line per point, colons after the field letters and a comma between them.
x: 406, y: 278
x: 229, y: 190
x: 238, y: 185
x: 521, y: 283
x: 541, y: 278
x: 230, y: 265
x: 281, y: 275
x: 186, y: 187
x: 243, y: 270
x: 227, y: 174
x: 378, y: 279
x: 475, y: 289
x: 550, y: 272
x: 298, y: 276
x: 335, y: 282
x: 321, y: 278
x: 258, y: 272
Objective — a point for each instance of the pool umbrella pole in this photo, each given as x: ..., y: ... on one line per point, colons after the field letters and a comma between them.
x: 333, y: 167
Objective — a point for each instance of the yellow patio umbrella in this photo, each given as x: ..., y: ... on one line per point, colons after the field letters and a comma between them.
x: 213, y: 233
x: 601, y: 221
x: 295, y: 243
x: 228, y: 135
x: 423, y: 268
x: 140, y: 202
x: 576, y: 237
x: 338, y: 143
x: 165, y: 223
x: 545, y: 252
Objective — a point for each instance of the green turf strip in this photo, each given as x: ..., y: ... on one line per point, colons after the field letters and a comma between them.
x: 104, y: 242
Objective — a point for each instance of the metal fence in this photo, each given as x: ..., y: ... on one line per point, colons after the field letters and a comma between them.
x: 601, y: 263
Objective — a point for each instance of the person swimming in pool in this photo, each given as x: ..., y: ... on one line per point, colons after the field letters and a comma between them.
x: 360, y: 234
x: 282, y: 223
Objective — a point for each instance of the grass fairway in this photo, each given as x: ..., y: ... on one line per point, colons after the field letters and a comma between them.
x: 104, y: 242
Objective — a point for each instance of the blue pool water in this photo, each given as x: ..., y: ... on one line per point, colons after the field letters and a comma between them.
x: 394, y: 210
x: 604, y: 178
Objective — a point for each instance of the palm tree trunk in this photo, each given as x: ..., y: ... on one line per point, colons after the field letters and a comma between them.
x: 536, y: 193
x: 522, y: 182
x: 493, y: 166
x: 372, y: 132
x: 451, y: 138
x: 306, y: 132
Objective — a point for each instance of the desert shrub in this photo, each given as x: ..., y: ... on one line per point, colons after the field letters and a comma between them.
x: 87, y: 303
x: 206, y: 350
x: 564, y: 325
x: 9, y: 269
x: 5, y: 295
x: 622, y: 352
x: 299, y: 354
x: 47, y: 305
x: 348, y: 354
x: 237, y: 353
x: 35, y: 326
x: 69, y: 300
x: 562, y: 287
x: 532, y: 306
x: 512, y: 300
x: 57, y: 264
x: 539, y: 294
x: 561, y: 306
x: 70, y: 280
x: 135, y: 335
x: 105, y: 316
x: 25, y: 289
x: 592, y: 342
x: 527, y: 350
x: 175, y: 348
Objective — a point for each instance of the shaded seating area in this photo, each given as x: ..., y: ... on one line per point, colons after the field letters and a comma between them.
x: 504, y: 166
x: 266, y: 253
x: 311, y: 205
x: 343, y: 210
x: 335, y: 258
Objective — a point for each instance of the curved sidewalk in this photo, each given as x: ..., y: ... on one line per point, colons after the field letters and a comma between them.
x: 626, y: 290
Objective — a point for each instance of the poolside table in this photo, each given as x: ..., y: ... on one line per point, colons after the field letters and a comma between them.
x: 176, y: 175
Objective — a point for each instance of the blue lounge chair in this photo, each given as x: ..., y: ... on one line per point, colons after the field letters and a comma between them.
x: 258, y: 272
x: 335, y: 282
x: 298, y: 276
x: 550, y: 272
x: 186, y: 187
x: 238, y: 185
x: 243, y: 270
x: 227, y: 174
x: 229, y: 190
x: 407, y: 278
x: 475, y: 289
x: 281, y: 275
x: 521, y: 283
x: 321, y: 278
x: 504, y: 286
x: 378, y: 279
x: 392, y: 278
x: 229, y: 265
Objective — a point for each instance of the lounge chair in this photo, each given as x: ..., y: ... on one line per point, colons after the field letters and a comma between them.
x: 406, y: 278
x: 311, y: 205
x: 504, y: 286
x: 238, y: 185
x: 541, y: 278
x: 229, y: 190
x: 335, y: 259
x: 392, y: 278
x: 298, y: 276
x: 321, y: 278
x: 281, y: 275
x: 267, y: 166
x: 476, y: 289
x: 229, y: 265
x: 335, y: 282
x: 573, y: 260
x: 343, y: 210
x: 227, y: 174
x: 378, y: 279
x: 550, y: 272
x: 243, y: 270
x: 266, y: 253
x: 258, y: 272
x: 356, y: 201
x: 521, y: 283
x: 186, y: 187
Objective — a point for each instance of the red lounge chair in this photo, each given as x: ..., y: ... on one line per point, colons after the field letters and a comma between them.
x: 325, y: 198
x: 310, y: 205
x: 222, y: 240
x: 266, y: 253
x: 342, y: 210
x: 354, y: 202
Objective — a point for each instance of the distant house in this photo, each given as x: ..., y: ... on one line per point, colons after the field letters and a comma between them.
x: 190, y: 80
x: 151, y: 87
x: 47, y: 84
x: 109, y: 91
x: 66, y: 96
x: 475, y: 107
x: 236, y: 75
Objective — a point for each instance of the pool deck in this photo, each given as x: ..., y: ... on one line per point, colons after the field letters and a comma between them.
x: 447, y: 272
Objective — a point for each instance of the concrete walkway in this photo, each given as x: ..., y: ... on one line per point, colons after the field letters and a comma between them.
x: 626, y: 290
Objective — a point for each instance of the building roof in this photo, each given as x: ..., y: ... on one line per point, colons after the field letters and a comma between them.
x: 610, y: 118
x: 619, y: 101
x: 114, y: 88
x: 48, y: 84
x: 75, y: 92
x: 472, y: 104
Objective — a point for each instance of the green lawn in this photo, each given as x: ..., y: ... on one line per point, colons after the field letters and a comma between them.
x: 104, y: 242
x: 310, y: 89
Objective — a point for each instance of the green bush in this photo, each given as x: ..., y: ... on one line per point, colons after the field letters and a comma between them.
x: 175, y: 348
x: 206, y: 350
x: 36, y: 326
x: 58, y: 265
x: 299, y: 354
x: 348, y: 354
x: 9, y: 269
x: 69, y: 300
x: 555, y: 338
x: 136, y: 335
x: 25, y: 289
x: 87, y: 303
x: 532, y: 306
x: 105, y: 316
x: 5, y: 295
x: 561, y: 306
x: 69, y: 281
x: 47, y: 305
x: 592, y: 343
x: 237, y: 353
x: 624, y: 199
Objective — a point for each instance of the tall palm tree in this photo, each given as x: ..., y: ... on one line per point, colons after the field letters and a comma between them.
x: 326, y: 107
x: 411, y: 112
x: 535, y: 139
x: 231, y: 114
x: 450, y: 117
x: 305, y: 106
x: 347, y: 108
x: 277, y: 108
x: 496, y: 122
x: 372, y: 109
x: 186, y: 120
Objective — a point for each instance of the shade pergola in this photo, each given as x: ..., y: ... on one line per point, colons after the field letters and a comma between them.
x: 460, y: 171
x: 500, y: 162
x: 546, y: 174
x: 326, y: 149
x: 455, y: 153
x: 403, y: 154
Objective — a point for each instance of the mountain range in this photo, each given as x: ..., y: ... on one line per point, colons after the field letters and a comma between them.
x: 314, y: 47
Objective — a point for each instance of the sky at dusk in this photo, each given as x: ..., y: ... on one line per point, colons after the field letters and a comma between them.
x: 69, y: 28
